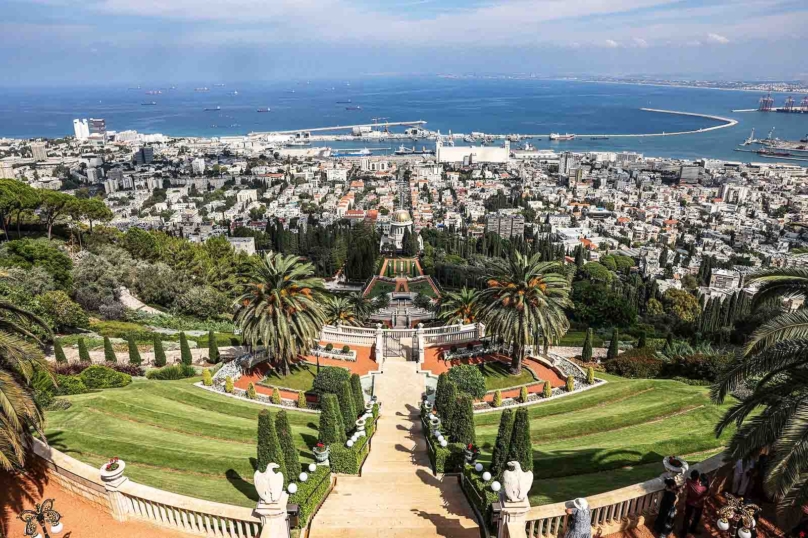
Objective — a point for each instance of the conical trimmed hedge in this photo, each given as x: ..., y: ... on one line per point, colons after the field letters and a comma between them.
x: 109, y: 353
x: 613, y: 345
x: 463, y: 420
x: 159, y: 353
x: 269, y: 448
x: 586, y: 351
x: 84, y: 355
x: 185, y: 350
x: 346, y: 406
x: 521, y: 449
x: 59, y: 352
x: 134, y: 354
x: 290, y: 455
x: 500, y: 455
x: 358, y: 393
x: 213, y: 348
x: 331, y: 429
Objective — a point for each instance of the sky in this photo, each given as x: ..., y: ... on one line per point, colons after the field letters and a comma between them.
x: 95, y: 42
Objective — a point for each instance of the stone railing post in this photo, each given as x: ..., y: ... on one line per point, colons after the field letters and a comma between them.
x: 274, y: 518
x: 513, y: 520
x: 379, y: 344
x: 113, y: 481
x: 480, y: 331
x: 420, y: 343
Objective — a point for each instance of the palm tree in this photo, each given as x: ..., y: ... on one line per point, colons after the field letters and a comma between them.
x: 340, y: 310
x: 525, y: 304
x: 461, y: 307
x: 774, y: 365
x: 281, y: 307
x: 362, y: 305
x: 20, y: 358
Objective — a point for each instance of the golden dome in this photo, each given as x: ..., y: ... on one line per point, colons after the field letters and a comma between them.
x: 402, y: 215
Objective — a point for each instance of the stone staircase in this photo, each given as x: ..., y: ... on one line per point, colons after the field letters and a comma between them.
x: 397, y: 494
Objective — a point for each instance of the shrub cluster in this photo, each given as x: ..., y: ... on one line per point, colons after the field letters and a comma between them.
x: 69, y: 385
x: 171, y: 373
x: 468, y: 379
x: 697, y: 366
x: 75, y: 368
x: 635, y: 363
x: 103, y: 377
x: 484, y: 497
x: 329, y: 380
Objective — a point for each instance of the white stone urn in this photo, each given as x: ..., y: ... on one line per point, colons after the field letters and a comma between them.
x: 360, y: 425
x: 112, y: 471
x: 675, y: 465
x: 369, y: 407
x: 321, y: 454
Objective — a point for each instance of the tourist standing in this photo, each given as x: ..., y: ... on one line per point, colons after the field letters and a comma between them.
x: 741, y: 476
x: 695, y: 495
x: 579, y: 524
x: 667, y: 510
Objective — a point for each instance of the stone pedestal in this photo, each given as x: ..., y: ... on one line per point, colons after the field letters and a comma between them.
x: 274, y: 518
x: 514, y: 519
x: 113, y: 481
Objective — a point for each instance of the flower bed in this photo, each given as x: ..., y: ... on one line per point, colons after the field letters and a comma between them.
x: 334, y: 353
x: 349, y: 460
x: 311, y: 494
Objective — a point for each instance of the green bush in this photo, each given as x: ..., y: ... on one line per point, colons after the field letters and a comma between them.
x: 358, y: 393
x: 636, y: 364
x: 159, y: 352
x: 207, y: 379
x: 483, y: 497
x: 329, y: 380
x: 311, y: 493
x: 520, y: 448
x: 59, y: 352
x: 500, y: 454
x: 213, y: 348
x: 269, y: 448
x: 331, y: 429
x: 251, y: 391
x: 613, y: 350
x: 548, y: 390
x: 450, y: 408
x: 706, y: 367
x: 102, y: 377
x: 346, y: 349
x: 523, y: 394
x: 329, y: 347
x: 463, y: 421
x: 468, y: 379
x: 185, y: 350
x: 444, y: 459
x: 288, y: 448
x: 276, y: 396
x: 69, y: 385
x: 301, y: 400
x: 570, y: 385
x: 348, y: 460
x: 642, y: 341
x: 586, y: 350
x: 347, y: 407
x: 84, y: 355
x: 134, y: 354
x: 174, y: 372
x: 109, y: 353
x: 228, y: 385
x: 497, y: 398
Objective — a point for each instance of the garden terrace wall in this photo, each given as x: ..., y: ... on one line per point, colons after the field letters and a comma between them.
x: 73, y: 475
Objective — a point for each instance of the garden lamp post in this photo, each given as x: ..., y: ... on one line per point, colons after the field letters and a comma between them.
x: 42, y: 514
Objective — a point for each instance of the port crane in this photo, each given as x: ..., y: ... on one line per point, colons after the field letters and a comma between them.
x: 749, y: 141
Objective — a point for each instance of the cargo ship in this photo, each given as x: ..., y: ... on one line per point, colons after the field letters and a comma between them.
x: 150, y: 103
x: 403, y: 150
x: 265, y: 109
x: 202, y: 89
x: 214, y: 109
x: 353, y: 108
x: 556, y: 136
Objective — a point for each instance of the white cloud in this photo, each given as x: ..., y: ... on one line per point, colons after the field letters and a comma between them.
x: 611, y: 43
x: 716, y: 38
x: 640, y: 42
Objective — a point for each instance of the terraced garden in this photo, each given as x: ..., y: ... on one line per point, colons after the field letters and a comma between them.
x: 173, y: 436
x: 612, y: 436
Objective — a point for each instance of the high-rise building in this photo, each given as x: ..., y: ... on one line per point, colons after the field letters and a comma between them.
x: 38, y: 151
x: 6, y: 170
x: 98, y: 127
x: 81, y: 129
x: 144, y: 155
x: 506, y: 226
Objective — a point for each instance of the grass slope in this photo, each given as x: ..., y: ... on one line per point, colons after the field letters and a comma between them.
x: 173, y: 436
x: 301, y: 377
x: 498, y: 376
x: 612, y: 436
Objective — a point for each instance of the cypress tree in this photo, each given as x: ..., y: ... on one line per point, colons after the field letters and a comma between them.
x: 346, y: 406
x: 134, y: 354
x: 613, y: 349
x: 520, y: 449
x: 463, y: 421
x: 358, y: 394
x: 59, y: 352
x: 213, y: 348
x: 290, y: 455
x: 447, y: 416
x: 159, y: 353
x: 669, y: 342
x: 331, y: 429
x: 185, y: 350
x: 586, y: 351
x: 503, y: 442
x: 84, y: 355
x: 440, y: 392
x: 109, y: 353
x: 269, y: 448
x: 641, y: 341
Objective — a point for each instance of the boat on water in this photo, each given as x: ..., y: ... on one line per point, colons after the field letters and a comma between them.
x: 293, y: 143
x: 265, y: 109
x: 403, y: 150
x: 348, y: 102
x: 557, y: 136
x: 202, y: 89
x: 358, y: 153
x: 214, y: 109
x: 353, y: 108
x: 154, y: 92
x: 150, y: 103
x: 772, y: 153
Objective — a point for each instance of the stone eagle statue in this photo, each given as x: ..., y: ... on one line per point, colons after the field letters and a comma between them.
x: 269, y: 484
x: 516, y: 482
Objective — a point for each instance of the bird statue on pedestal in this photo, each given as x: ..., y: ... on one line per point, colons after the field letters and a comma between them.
x: 269, y: 484
x: 516, y: 482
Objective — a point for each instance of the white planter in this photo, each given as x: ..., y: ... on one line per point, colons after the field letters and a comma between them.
x: 112, y: 476
x: 360, y: 425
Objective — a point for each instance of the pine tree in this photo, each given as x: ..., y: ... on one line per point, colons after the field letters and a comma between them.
x: 185, y: 350
x: 331, y: 429
x: 269, y: 448
x: 159, y: 353
x: 358, y: 393
x: 613, y: 345
x: 346, y: 406
x: 213, y: 348
x: 586, y: 350
x: 520, y: 448
x: 641, y: 341
x: 463, y: 421
x: 109, y: 353
x: 59, y: 352
x: 134, y: 354
x: 84, y: 355
x: 500, y: 455
x: 290, y: 455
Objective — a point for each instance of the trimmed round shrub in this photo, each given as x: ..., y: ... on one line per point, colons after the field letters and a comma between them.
x: 103, y: 377
x: 523, y: 394
x: 301, y: 400
x: 173, y: 372
x: 330, y: 379
x: 329, y: 347
x: 69, y: 385
x: 346, y: 349
x: 251, y: 391
x: 497, y: 398
x: 276, y: 396
x: 469, y: 380
x: 207, y: 379
x: 548, y: 390
x: 636, y: 364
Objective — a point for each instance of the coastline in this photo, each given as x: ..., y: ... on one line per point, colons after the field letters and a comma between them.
x: 688, y: 86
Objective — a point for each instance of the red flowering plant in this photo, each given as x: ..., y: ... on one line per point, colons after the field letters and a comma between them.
x: 472, y: 448
x: 112, y: 465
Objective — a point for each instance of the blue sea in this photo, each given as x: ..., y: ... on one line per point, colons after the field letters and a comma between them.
x: 501, y: 106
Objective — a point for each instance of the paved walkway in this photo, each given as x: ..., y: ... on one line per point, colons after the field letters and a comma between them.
x: 397, y: 495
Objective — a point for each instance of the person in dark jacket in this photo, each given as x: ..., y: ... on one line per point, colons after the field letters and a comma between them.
x: 667, y: 509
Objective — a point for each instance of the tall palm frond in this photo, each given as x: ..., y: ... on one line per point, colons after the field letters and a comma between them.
x: 526, y: 302
x: 281, y: 307
x: 340, y: 310
x: 460, y: 307
x: 777, y: 283
x: 363, y: 306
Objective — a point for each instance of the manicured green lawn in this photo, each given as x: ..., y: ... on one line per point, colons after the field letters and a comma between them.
x: 423, y: 288
x: 613, y: 436
x: 301, y: 377
x: 381, y: 287
x: 173, y: 436
x: 497, y: 376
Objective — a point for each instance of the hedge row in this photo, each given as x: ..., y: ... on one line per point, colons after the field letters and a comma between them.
x: 171, y: 373
x: 447, y: 459
x: 479, y: 493
x: 347, y: 460
x: 311, y: 493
